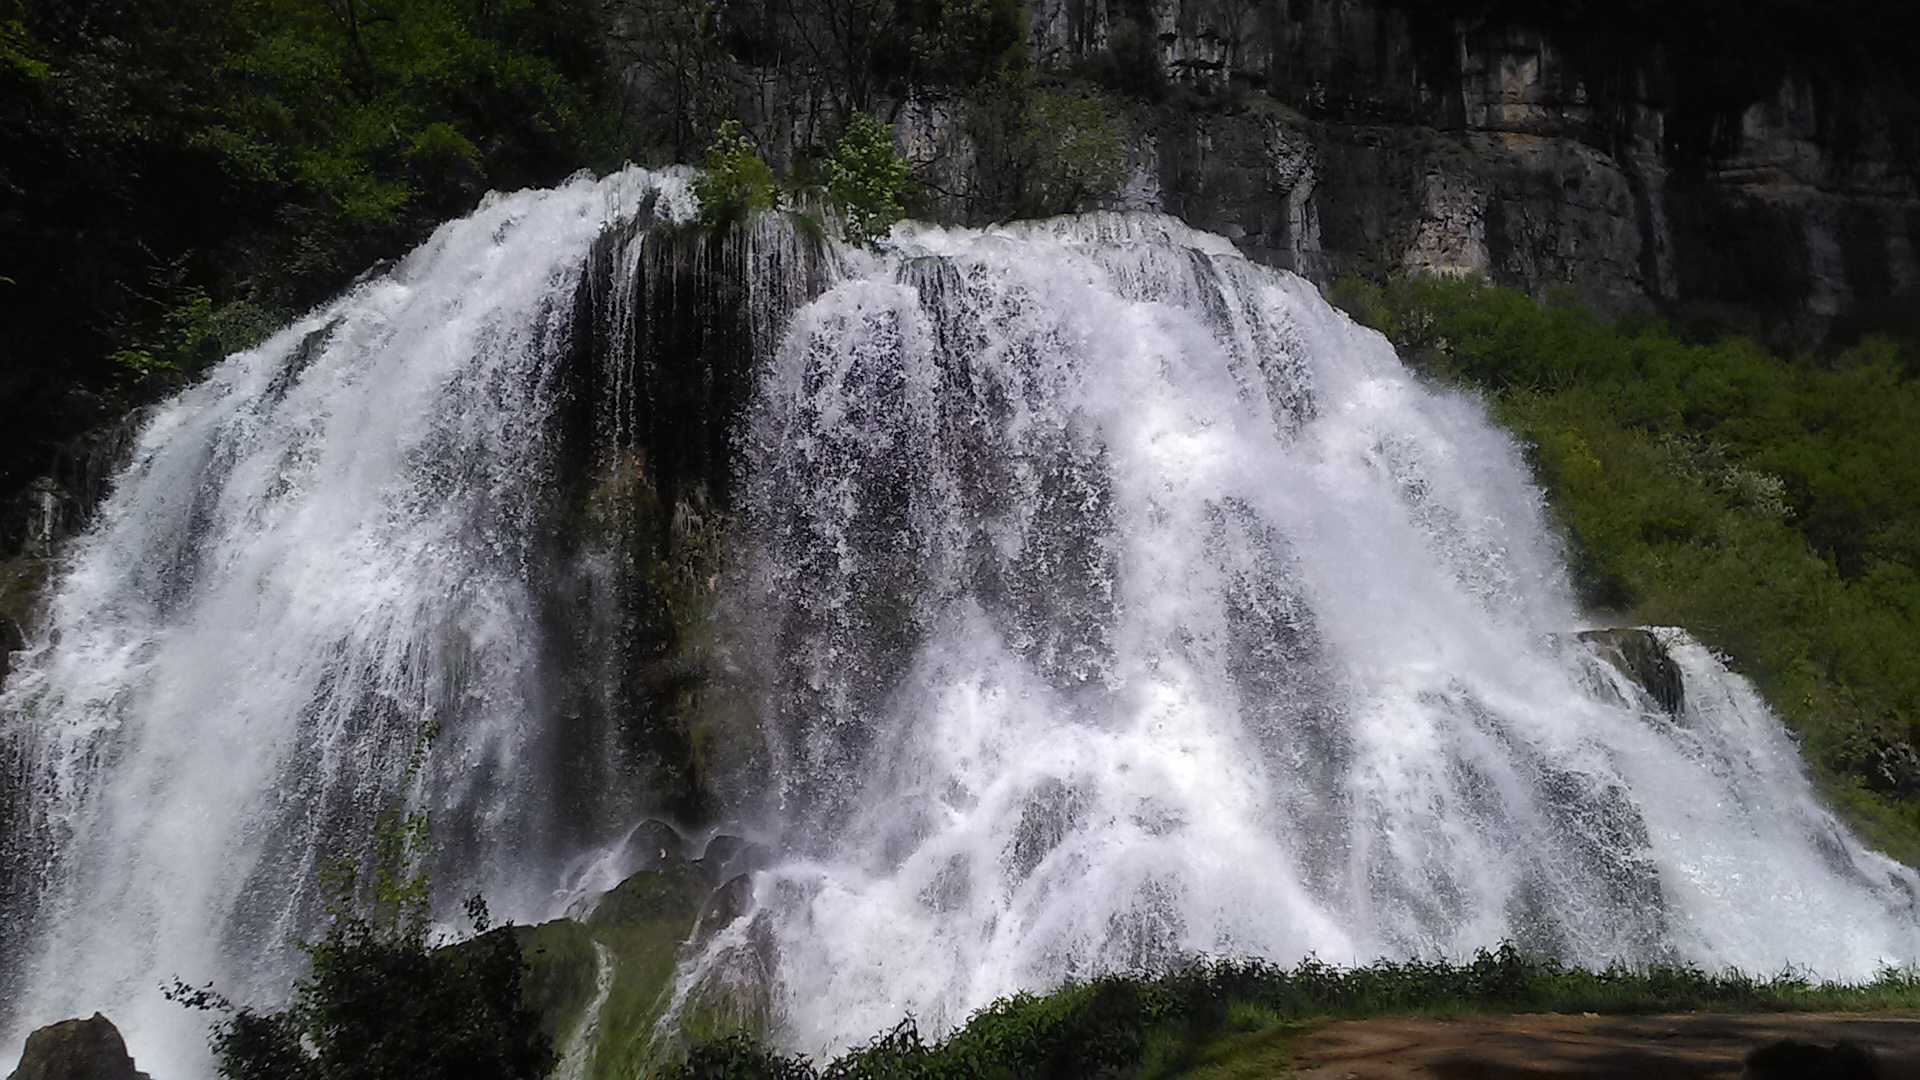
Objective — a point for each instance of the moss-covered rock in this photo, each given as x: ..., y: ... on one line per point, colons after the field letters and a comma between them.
x: 601, y: 982
x: 561, y: 977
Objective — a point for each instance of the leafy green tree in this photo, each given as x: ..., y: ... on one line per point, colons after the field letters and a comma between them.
x: 380, y: 1005
x: 1079, y: 151
x: 380, y: 1001
x: 866, y: 179
x: 736, y: 181
x: 958, y: 43
x: 1039, y: 152
x: 178, y: 176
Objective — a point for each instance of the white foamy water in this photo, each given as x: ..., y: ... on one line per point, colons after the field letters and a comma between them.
x: 317, y: 552
x: 1123, y: 602
x: 1113, y: 600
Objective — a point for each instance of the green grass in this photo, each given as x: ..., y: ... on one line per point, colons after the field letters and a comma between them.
x: 1770, y: 504
x: 1233, y: 1019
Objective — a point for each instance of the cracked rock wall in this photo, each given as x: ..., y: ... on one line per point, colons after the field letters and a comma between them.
x: 1360, y: 136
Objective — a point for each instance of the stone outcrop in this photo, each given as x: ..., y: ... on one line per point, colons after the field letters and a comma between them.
x: 1525, y: 142
x: 89, y: 1049
x: 1640, y: 655
x: 602, y: 979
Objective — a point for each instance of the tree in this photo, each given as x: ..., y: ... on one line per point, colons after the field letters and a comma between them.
x: 1040, y: 152
x: 866, y: 179
x: 736, y: 181
x: 383, y: 1006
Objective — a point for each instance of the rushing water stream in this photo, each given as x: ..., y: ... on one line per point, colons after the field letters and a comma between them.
x: 1107, y: 599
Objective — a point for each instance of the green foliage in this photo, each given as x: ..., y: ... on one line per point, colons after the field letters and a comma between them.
x: 380, y: 1002
x: 175, y: 177
x: 959, y: 43
x: 379, y: 1005
x: 1040, y: 152
x: 741, y: 1057
x: 736, y: 181
x: 866, y: 179
x: 1166, y: 1025
x: 1079, y: 151
x: 1770, y: 505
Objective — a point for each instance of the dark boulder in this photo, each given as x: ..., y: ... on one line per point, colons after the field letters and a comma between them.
x: 653, y: 846
x: 728, y: 903
x: 89, y: 1049
x: 728, y: 856
x: 1642, y: 657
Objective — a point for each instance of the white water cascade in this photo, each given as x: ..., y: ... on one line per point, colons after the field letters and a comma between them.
x: 1107, y: 600
x: 317, y: 553
x: 1129, y: 603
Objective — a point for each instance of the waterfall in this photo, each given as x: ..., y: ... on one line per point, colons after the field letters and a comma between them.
x: 1090, y: 598
x: 1119, y: 601
x: 320, y: 553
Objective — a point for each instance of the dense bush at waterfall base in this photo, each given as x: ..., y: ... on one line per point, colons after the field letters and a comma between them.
x: 1247, y: 1012
x: 384, y: 1006
x: 1769, y: 504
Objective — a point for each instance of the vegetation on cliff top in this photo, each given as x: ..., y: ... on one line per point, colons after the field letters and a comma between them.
x: 1769, y: 504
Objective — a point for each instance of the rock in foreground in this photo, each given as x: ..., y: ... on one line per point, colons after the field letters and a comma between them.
x: 89, y: 1049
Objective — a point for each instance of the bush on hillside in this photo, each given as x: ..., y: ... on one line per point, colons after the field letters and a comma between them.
x: 382, y: 1006
x: 1040, y: 152
x: 178, y: 177
x: 1173, y: 1023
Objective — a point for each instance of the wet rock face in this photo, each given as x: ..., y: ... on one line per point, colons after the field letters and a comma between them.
x: 653, y: 846
x: 600, y: 980
x: 89, y: 1049
x: 1640, y: 656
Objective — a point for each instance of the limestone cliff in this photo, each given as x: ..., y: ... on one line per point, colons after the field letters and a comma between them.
x: 1336, y: 136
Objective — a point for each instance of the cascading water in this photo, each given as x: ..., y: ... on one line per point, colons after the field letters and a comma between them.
x: 1100, y: 599
x: 1120, y: 601
x: 319, y: 554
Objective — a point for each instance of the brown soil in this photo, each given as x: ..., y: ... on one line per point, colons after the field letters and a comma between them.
x: 1552, y: 1045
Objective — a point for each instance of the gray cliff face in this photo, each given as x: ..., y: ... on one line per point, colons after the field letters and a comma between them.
x: 1337, y: 136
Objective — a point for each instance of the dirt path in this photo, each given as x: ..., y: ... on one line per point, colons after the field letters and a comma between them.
x: 1551, y: 1045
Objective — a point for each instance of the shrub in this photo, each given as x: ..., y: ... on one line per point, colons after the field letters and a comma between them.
x: 866, y: 179
x: 736, y: 181
x: 376, y: 1006
x: 1038, y: 153
x: 380, y: 1002
x: 1080, y: 152
x: 1129, y: 1025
